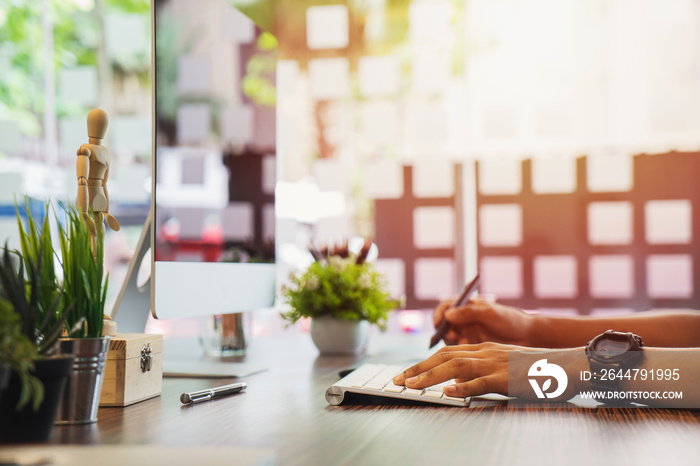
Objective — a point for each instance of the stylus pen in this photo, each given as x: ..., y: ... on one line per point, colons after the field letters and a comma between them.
x: 211, y: 393
x: 461, y: 301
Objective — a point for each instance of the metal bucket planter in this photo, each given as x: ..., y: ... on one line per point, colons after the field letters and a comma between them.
x: 81, y: 398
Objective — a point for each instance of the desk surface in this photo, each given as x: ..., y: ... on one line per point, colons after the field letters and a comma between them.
x: 284, y: 411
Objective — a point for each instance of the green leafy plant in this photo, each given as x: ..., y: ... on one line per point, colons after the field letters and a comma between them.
x: 83, y: 289
x: 346, y: 288
x: 84, y: 279
x: 24, y: 336
x: 19, y: 353
x: 22, y: 291
x: 37, y: 248
x: 35, y: 306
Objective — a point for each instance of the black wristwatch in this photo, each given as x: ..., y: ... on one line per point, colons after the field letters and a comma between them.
x: 610, y: 355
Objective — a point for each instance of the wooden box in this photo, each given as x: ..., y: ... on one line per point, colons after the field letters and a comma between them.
x: 134, y: 369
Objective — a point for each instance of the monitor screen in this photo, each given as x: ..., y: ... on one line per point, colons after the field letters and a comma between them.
x: 214, y: 161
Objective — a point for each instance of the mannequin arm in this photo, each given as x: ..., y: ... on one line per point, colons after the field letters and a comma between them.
x: 82, y: 169
x: 111, y: 220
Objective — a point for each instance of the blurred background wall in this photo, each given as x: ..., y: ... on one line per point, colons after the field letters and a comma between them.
x: 500, y: 135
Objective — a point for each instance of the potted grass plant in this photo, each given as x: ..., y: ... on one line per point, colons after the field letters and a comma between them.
x: 84, y: 279
x: 85, y: 284
x: 84, y: 291
x: 343, y: 295
x: 29, y: 330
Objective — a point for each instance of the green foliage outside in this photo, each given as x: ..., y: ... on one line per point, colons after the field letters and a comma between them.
x: 167, y: 51
x: 170, y: 45
x: 340, y: 288
x: 22, y: 51
x: 258, y: 83
x: 77, y: 33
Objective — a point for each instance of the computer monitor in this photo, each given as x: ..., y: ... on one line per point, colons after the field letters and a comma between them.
x: 213, y: 161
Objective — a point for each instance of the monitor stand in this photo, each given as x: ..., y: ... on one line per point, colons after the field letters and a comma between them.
x: 223, y: 335
x: 184, y: 357
x: 181, y: 358
x: 187, y: 357
x: 133, y: 304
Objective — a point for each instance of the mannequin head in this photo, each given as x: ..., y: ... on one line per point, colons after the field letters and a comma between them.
x: 97, y: 122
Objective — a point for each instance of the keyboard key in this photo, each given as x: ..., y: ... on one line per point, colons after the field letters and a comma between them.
x: 385, y: 376
x: 435, y: 388
x: 445, y: 397
x: 413, y: 391
x: 374, y: 386
x: 432, y: 394
x: 394, y: 388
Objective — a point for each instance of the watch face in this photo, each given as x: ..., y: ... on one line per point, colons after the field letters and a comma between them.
x: 610, y: 347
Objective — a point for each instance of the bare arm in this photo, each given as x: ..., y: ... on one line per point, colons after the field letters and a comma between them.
x: 492, y: 368
x: 481, y: 321
x: 672, y: 328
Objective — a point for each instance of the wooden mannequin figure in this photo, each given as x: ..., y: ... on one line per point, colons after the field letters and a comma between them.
x: 92, y: 169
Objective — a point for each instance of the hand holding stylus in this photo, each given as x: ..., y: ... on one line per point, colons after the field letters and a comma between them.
x: 443, y: 326
x: 481, y: 319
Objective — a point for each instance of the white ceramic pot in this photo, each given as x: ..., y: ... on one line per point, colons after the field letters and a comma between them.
x: 339, y: 337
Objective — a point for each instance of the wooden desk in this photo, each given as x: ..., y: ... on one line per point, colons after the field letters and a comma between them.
x: 284, y: 410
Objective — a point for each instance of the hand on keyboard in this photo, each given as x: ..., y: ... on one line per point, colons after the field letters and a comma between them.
x: 376, y: 380
x: 476, y: 369
x: 483, y: 369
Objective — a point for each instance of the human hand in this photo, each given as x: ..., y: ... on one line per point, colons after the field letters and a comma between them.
x: 477, y: 370
x: 483, y: 368
x: 482, y: 320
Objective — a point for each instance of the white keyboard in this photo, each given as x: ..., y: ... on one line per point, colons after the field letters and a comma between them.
x: 376, y: 380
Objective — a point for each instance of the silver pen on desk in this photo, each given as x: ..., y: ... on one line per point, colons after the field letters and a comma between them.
x: 211, y: 393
